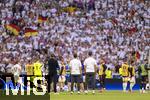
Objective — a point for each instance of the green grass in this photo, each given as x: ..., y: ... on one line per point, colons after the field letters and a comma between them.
x: 3, y: 96
x: 108, y: 95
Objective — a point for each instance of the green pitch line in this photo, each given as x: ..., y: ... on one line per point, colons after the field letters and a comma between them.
x: 109, y: 95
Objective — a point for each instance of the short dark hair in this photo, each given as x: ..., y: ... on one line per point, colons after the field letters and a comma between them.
x: 145, y: 59
x: 90, y: 53
x: 125, y: 59
x: 52, y: 55
x: 75, y: 55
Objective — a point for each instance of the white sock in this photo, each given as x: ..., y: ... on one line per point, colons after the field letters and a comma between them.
x: 124, y: 86
x: 131, y: 86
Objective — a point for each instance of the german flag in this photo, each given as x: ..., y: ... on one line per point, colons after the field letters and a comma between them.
x: 132, y: 30
x: 42, y: 19
x: 30, y: 32
x: 137, y: 55
x: 13, y: 28
x: 114, y: 21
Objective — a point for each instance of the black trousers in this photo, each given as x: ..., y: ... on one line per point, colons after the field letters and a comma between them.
x: 52, y: 78
x: 102, y: 80
x: 143, y: 81
x: 89, y: 80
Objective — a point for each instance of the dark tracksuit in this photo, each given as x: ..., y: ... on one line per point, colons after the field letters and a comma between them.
x: 52, y: 75
x: 143, y: 73
x: 102, y: 75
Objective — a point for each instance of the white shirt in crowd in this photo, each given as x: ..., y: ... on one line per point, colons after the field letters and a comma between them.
x: 9, y: 68
x: 16, y: 69
x: 90, y: 64
x: 75, y: 65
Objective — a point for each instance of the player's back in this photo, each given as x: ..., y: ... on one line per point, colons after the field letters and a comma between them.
x: 64, y: 69
x: 102, y: 69
x: 124, y: 70
x: 37, y: 68
x: 29, y: 69
x: 131, y: 71
x: 100, y: 72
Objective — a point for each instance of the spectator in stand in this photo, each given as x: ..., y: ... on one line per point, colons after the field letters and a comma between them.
x: 111, y: 29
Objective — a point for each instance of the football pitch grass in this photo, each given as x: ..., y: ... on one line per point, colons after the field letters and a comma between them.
x: 107, y: 95
x: 3, y: 96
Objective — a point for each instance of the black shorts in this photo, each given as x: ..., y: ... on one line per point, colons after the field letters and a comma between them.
x: 75, y: 78
x: 144, y: 78
x: 68, y: 78
x: 81, y: 79
x: 102, y: 78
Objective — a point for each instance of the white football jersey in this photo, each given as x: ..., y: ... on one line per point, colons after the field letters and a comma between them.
x: 90, y: 64
x: 75, y: 66
x: 16, y: 69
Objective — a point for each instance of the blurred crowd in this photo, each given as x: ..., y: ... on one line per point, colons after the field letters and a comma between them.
x: 111, y: 29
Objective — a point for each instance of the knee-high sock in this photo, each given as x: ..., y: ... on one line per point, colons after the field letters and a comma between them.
x: 131, y: 85
x: 141, y: 86
x: 124, y: 86
x: 144, y: 86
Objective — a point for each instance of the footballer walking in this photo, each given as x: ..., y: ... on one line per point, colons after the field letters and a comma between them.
x: 143, y: 73
x: 125, y: 74
x: 102, y: 74
x: 16, y: 70
x: 132, y: 76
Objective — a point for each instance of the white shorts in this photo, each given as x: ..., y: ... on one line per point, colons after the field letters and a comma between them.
x: 16, y: 77
x: 62, y: 78
x: 132, y: 79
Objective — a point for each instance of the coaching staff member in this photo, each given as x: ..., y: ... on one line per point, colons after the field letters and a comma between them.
x: 52, y: 74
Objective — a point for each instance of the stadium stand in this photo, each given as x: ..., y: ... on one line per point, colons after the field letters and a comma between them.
x: 110, y: 28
